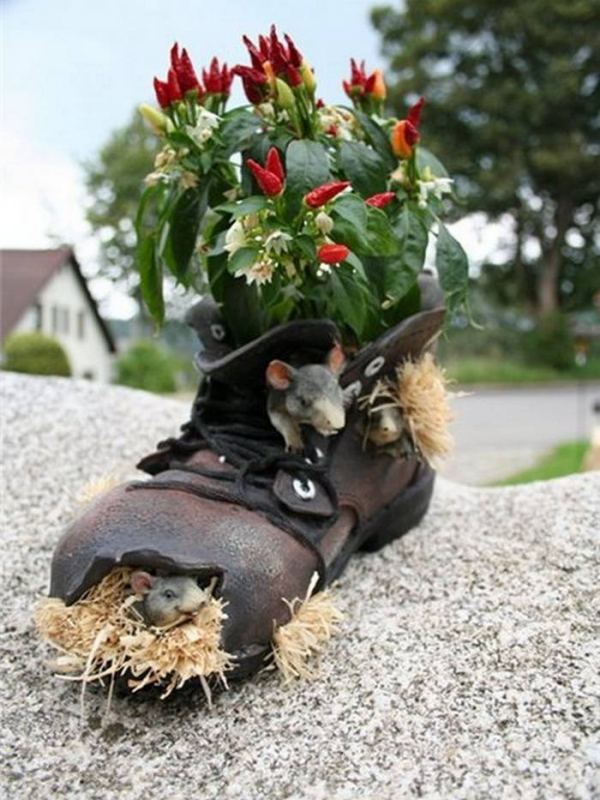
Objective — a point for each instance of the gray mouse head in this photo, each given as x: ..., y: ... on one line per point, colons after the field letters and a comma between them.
x: 312, y: 393
x: 385, y: 425
x: 166, y: 600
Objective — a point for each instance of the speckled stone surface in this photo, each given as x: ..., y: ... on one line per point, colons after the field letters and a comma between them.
x: 467, y: 666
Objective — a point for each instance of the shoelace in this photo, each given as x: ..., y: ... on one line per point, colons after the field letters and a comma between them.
x: 236, y: 427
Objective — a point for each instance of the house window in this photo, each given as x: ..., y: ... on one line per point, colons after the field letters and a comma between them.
x: 38, y: 316
x: 81, y: 324
x: 65, y: 316
x: 54, y: 319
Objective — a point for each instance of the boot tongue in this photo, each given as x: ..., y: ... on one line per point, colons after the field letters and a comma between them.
x: 407, y: 340
x: 303, y: 340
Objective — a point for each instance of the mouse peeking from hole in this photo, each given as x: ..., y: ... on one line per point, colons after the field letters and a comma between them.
x: 307, y: 395
x: 166, y: 601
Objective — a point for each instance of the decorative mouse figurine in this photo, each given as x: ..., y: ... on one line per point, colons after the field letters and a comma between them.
x: 387, y: 430
x: 307, y: 395
x: 167, y: 600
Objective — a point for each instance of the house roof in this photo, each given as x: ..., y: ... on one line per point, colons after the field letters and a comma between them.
x: 23, y: 275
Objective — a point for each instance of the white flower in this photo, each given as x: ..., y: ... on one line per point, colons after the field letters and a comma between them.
x: 337, y: 121
x: 235, y: 237
x: 260, y: 272
x: 156, y: 177
x: 231, y: 194
x: 204, y: 127
x: 188, y: 179
x: 436, y: 187
x: 324, y: 222
x: 277, y: 242
x: 165, y: 158
x: 323, y: 269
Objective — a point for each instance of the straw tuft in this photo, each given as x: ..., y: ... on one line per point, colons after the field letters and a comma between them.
x: 295, y: 644
x: 419, y: 391
x: 101, y: 635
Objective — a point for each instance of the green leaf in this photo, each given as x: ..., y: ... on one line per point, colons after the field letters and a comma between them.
x: 401, y: 273
x: 151, y: 278
x: 248, y: 205
x: 183, y: 230
x: 307, y: 247
x: 349, y: 300
x: 452, y: 266
x: 425, y: 158
x: 306, y: 166
x: 352, y: 210
x: 381, y: 237
x: 363, y: 167
x: 368, y: 233
x: 378, y: 138
x: 242, y: 259
x: 238, y: 129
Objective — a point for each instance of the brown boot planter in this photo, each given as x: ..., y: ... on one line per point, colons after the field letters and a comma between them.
x: 262, y: 531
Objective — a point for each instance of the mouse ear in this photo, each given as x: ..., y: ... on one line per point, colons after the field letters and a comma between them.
x: 336, y: 359
x: 279, y: 375
x: 141, y: 582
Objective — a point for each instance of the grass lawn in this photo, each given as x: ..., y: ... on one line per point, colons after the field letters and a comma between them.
x: 562, y: 460
x: 492, y: 370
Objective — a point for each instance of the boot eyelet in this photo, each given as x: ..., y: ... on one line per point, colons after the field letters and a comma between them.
x: 217, y: 332
x: 374, y: 366
x: 352, y: 391
x: 304, y: 488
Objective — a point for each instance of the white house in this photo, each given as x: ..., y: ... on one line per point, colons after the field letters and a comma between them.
x: 44, y: 290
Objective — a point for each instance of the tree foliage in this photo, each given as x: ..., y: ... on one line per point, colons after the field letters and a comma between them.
x: 115, y: 184
x: 513, y: 100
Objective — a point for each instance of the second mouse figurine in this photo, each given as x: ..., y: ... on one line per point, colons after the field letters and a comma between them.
x: 167, y: 600
x: 306, y: 395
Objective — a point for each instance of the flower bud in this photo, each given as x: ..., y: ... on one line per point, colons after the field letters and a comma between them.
x: 157, y: 120
x: 285, y: 96
x: 324, y: 222
x: 308, y: 77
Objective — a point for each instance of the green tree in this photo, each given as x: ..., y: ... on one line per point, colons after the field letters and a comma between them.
x: 115, y: 184
x: 513, y: 99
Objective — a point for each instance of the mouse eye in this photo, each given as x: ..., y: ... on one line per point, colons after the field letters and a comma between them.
x: 169, y: 594
x: 304, y: 402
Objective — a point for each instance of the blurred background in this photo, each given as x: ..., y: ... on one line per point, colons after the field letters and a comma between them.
x: 513, y: 110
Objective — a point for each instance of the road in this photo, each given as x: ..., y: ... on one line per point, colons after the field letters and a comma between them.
x: 501, y: 431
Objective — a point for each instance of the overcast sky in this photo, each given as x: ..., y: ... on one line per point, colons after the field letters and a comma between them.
x: 73, y: 71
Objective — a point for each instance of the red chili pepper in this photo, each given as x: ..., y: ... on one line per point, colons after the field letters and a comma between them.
x: 380, y: 200
x: 271, y: 59
x: 294, y: 76
x: 186, y: 74
x: 273, y: 163
x: 173, y: 87
x: 323, y: 194
x: 226, y: 79
x: 270, y: 183
x: 254, y: 82
x: 333, y: 253
x: 295, y: 56
x: 414, y: 113
x: 161, y: 90
x: 212, y: 77
x: 403, y: 138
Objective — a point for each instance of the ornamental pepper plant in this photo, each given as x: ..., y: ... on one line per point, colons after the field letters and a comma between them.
x: 288, y: 207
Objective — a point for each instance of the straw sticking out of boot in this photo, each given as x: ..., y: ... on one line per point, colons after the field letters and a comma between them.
x: 421, y: 390
x: 100, y: 636
x: 314, y: 621
x: 95, y: 488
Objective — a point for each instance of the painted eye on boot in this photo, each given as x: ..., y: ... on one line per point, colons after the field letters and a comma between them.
x: 304, y: 488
